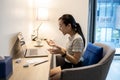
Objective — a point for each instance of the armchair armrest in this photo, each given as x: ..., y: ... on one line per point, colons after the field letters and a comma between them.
x: 59, y: 60
x: 84, y: 73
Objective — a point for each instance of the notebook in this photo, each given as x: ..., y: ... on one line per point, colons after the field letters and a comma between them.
x: 41, y: 52
x: 34, y: 52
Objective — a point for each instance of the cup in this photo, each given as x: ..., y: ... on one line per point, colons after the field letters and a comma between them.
x: 38, y: 42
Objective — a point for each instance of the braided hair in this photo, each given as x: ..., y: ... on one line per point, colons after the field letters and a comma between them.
x: 69, y: 19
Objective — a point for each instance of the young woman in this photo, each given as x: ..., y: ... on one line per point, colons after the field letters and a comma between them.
x: 74, y: 48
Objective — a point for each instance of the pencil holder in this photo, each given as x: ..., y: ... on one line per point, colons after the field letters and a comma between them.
x: 6, y: 68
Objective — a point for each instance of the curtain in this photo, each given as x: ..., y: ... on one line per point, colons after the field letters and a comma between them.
x: 91, y: 20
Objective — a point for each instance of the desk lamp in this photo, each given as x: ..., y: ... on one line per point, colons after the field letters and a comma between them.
x: 42, y: 15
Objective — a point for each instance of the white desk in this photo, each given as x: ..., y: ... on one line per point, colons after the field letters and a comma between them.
x: 39, y: 72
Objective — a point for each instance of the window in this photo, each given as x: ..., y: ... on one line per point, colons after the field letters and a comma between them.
x: 106, y: 22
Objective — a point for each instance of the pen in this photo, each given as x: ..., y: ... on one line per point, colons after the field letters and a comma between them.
x: 40, y: 63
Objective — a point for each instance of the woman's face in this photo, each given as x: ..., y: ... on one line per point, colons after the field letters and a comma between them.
x: 63, y: 28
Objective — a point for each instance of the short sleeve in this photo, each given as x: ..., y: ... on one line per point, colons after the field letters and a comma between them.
x: 78, y: 45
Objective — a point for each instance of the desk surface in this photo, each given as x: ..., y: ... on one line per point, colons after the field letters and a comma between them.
x: 39, y: 72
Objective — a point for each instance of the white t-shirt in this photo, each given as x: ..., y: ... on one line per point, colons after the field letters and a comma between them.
x: 75, y: 44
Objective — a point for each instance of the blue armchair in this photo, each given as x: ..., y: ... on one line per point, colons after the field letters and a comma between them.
x: 96, y: 71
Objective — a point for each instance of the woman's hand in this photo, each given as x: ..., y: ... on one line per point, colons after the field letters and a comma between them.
x: 50, y: 42
x: 56, y: 50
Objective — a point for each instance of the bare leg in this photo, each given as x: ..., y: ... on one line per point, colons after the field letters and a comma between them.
x: 56, y: 76
x: 55, y: 71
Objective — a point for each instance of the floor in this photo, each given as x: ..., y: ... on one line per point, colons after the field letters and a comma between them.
x: 114, y: 72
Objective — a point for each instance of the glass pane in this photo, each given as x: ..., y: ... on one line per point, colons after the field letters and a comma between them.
x: 108, y: 23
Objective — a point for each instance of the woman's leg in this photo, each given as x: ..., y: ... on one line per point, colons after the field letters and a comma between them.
x: 56, y: 76
x: 54, y: 71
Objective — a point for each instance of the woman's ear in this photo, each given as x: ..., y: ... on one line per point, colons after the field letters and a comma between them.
x: 69, y: 25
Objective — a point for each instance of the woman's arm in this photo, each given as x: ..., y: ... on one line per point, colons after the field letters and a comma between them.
x: 72, y: 58
x: 59, y: 50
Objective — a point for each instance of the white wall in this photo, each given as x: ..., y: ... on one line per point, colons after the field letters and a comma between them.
x: 18, y: 16
x: 15, y: 16
x: 78, y: 8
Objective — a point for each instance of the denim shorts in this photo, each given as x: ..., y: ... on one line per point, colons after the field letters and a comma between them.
x: 70, y: 65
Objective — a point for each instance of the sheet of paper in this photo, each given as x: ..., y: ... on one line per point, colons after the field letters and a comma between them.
x: 36, y: 60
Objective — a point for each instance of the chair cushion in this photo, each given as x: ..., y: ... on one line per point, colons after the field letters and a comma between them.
x: 92, y: 54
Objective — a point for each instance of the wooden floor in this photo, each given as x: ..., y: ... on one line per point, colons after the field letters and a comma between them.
x: 114, y: 72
